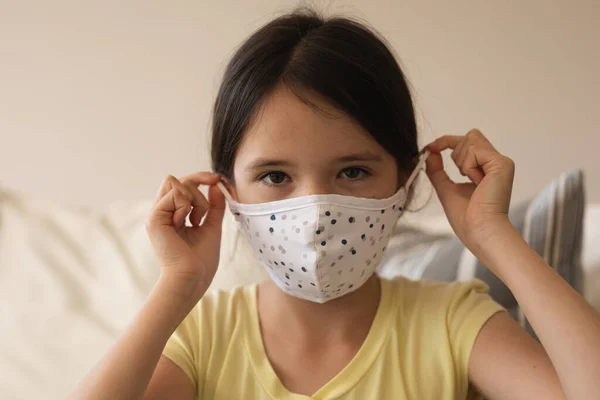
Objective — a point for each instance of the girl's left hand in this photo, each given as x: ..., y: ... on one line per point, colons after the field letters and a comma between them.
x: 474, y: 208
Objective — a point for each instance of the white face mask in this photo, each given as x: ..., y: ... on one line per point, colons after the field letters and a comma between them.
x: 320, y: 247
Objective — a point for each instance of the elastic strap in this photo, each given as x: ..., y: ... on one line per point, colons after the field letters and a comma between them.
x: 420, y: 166
x: 225, y: 192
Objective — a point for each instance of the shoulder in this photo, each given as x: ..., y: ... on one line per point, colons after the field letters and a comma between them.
x: 454, y: 309
x: 433, y: 295
x: 223, y: 309
x: 204, y: 336
x: 215, y: 317
x: 439, y: 321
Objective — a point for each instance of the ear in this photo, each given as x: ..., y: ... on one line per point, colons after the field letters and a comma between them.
x: 230, y: 186
x: 404, y: 175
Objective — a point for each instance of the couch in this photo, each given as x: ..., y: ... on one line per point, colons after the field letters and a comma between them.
x: 72, y: 278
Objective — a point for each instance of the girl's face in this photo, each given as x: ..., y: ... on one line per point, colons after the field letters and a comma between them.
x: 292, y: 149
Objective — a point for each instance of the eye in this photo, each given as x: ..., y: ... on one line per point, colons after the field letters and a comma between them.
x: 354, y: 173
x: 274, y: 178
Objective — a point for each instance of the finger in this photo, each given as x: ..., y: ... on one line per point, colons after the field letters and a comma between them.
x: 470, y: 166
x: 445, y: 142
x: 486, y: 158
x: 165, y: 187
x: 199, y: 204
x: 170, y: 182
x: 170, y: 210
x: 202, y: 178
x: 490, y: 161
x: 189, y: 197
x: 436, y: 173
x: 476, y: 136
x: 459, y: 154
x: 198, y: 199
x: 216, y: 209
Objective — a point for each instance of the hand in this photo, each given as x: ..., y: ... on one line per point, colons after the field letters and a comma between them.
x: 474, y: 208
x: 188, y: 255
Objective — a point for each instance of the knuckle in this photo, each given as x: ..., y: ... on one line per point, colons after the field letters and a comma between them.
x: 149, y: 224
x: 475, y: 133
x: 180, y: 196
x: 184, y: 190
x: 508, y: 161
x: 168, y: 182
x: 192, y: 188
x: 169, y: 178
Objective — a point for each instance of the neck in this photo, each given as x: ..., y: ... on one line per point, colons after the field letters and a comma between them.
x: 341, y: 318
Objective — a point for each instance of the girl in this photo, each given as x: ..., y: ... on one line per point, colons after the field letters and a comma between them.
x: 315, y: 141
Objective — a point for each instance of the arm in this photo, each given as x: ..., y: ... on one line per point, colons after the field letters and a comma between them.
x: 125, y: 371
x: 567, y: 326
x: 169, y: 382
x: 506, y: 363
x: 189, y: 256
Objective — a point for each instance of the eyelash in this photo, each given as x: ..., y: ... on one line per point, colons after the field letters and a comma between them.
x: 363, y: 173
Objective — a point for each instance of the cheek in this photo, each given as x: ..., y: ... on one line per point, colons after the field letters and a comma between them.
x: 391, y: 181
x: 244, y: 190
x: 238, y: 187
x: 244, y: 193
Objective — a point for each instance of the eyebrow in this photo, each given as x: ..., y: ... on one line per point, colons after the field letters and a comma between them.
x: 266, y: 162
x: 360, y: 157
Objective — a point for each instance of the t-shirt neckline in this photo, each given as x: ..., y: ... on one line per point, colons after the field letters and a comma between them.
x: 349, y: 376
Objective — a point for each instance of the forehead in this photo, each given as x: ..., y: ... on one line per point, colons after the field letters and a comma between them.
x: 287, y: 126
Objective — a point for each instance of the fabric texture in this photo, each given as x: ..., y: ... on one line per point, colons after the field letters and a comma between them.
x: 321, y: 247
x: 552, y: 224
x: 71, y: 280
x: 423, y: 332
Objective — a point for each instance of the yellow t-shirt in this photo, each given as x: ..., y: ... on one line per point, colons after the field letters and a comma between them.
x: 418, y: 346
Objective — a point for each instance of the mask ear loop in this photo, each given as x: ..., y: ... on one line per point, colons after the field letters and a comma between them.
x: 238, y: 232
x: 420, y: 167
x: 225, y: 193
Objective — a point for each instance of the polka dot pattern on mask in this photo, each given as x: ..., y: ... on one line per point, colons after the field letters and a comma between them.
x: 336, y: 248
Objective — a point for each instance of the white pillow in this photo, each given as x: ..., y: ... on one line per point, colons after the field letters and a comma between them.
x: 590, y: 257
x: 71, y: 280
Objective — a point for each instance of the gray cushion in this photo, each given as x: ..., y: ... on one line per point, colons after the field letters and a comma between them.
x: 552, y: 224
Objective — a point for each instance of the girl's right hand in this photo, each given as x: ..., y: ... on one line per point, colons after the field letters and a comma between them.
x: 188, y: 255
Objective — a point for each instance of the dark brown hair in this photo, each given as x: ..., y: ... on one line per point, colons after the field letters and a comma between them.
x: 340, y: 59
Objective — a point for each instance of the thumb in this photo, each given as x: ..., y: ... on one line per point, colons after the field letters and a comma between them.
x: 216, y: 208
x: 436, y: 173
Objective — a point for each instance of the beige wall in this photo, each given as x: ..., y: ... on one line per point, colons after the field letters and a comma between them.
x: 100, y: 99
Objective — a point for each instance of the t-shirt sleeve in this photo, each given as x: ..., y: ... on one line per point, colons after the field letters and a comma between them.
x: 183, y: 346
x: 470, y: 307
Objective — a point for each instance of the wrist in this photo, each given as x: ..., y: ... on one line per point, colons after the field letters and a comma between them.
x: 182, y: 293
x: 482, y: 233
x: 492, y: 241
